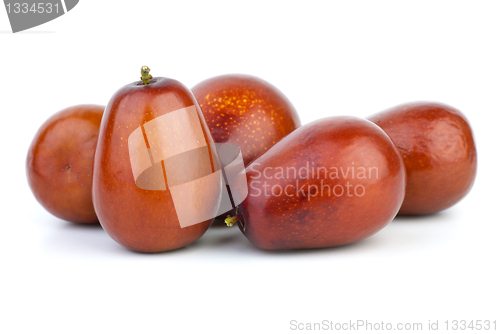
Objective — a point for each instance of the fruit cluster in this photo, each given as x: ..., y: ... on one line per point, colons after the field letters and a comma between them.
x: 148, y: 163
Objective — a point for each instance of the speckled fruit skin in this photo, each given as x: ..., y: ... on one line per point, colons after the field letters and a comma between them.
x: 437, y: 146
x: 295, y: 222
x: 141, y: 220
x: 59, y: 163
x: 246, y: 111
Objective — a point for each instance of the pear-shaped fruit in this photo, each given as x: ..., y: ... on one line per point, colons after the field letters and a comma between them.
x: 156, y: 173
x: 329, y: 183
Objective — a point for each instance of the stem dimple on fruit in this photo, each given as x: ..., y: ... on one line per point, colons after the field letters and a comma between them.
x: 145, y: 76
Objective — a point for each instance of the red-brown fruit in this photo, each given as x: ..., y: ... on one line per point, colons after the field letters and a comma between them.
x: 246, y: 111
x: 331, y: 182
x: 60, y: 160
x: 139, y: 219
x: 437, y: 146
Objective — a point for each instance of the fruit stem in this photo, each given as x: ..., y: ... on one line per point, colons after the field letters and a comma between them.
x: 145, y: 76
x: 230, y: 221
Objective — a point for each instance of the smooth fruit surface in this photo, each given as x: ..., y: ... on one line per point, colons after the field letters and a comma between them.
x: 329, y: 183
x: 246, y: 111
x: 140, y: 219
x: 60, y: 160
x: 437, y: 146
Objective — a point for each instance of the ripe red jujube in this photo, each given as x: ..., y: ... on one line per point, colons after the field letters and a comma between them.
x: 245, y: 111
x: 153, y: 142
x: 60, y: 160
x: 331, y: 182
x: 437, y: 146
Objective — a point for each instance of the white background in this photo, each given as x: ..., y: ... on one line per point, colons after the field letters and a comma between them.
x: 329, y: 58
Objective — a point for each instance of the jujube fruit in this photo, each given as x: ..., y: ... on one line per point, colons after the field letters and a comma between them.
x: 59, y: 163
x: 331, y: 182
x: 153, y: 139
x: 437, y: 146
x: 246, y: 111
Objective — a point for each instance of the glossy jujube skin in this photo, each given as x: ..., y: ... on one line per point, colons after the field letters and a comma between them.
x: 437, y: 146
x: 141, y: 220
x: 59, y: 163
x: 246, y: 111
x: 296, y: 219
